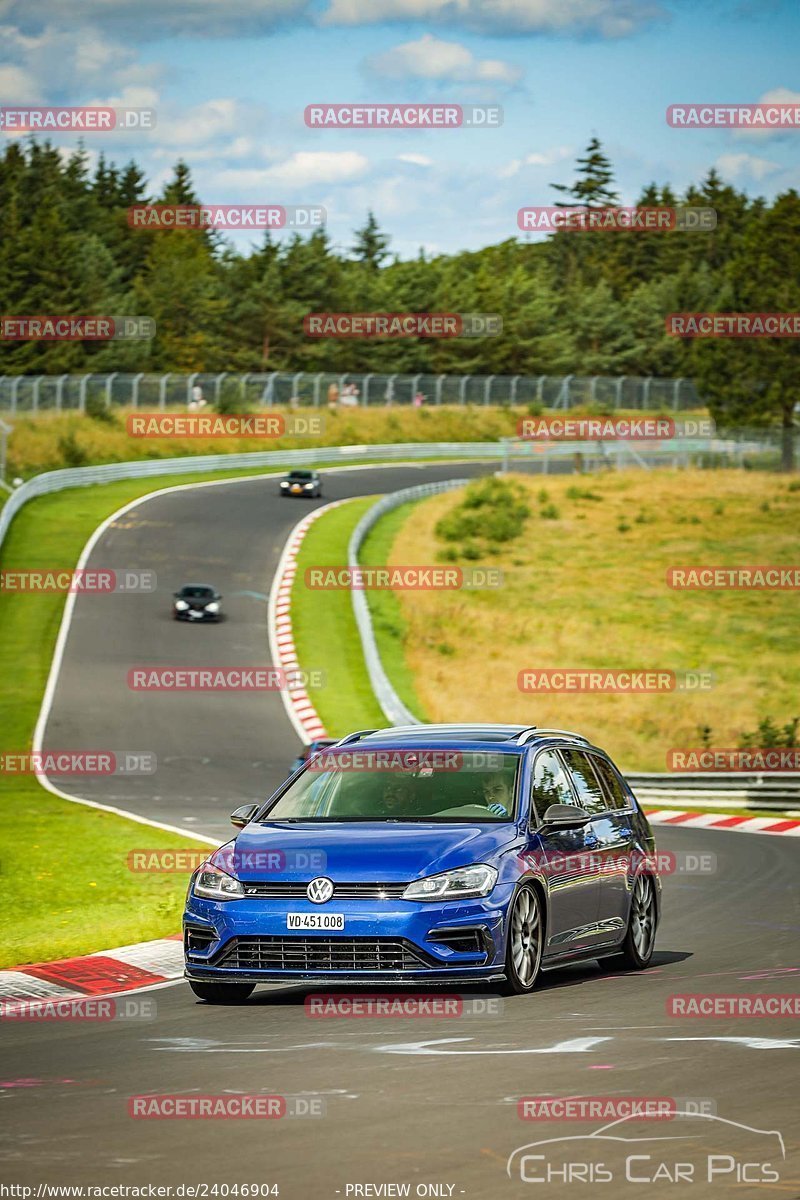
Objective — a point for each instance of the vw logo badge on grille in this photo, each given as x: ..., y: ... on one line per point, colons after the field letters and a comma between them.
x: 319, y: 891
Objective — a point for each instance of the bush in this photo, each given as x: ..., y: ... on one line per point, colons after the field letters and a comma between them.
x: 491, y: 512
x: 71, y: 451
x: 96, y: 409
x: 769, y: 736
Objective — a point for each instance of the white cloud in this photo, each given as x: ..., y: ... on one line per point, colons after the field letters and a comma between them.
x: 418, y: 160
x: 303, y: 169
x: 433, y: 59
x: 608, y: 18
x: 19, y: 86
x: 779, y: 95
x: 733, y: 166
x: 548, y: 159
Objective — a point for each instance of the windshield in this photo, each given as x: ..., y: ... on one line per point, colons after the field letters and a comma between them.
x: 197, y: 593
x: 300, y: 476
x: 401, y: 785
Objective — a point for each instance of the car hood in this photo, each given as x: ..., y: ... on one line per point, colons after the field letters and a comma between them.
x: 374, y: 852
x: 196, y: 603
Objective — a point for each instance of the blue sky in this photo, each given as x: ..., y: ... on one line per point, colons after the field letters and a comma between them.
x: 230, y: 80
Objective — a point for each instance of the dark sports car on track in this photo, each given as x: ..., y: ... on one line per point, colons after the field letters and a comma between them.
x: 196, y: 602
x: 429, y: 854
x: 301, y: 483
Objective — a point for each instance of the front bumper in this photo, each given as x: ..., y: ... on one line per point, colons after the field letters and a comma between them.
x: 387, y: 941
x: 194, y: 616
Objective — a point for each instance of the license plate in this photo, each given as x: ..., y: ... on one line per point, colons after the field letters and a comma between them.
x: 315, y: 920
x: 296, y: 488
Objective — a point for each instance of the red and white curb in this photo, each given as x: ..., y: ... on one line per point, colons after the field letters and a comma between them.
x: 740, y: 824
x: 299, y: 709
x: 126, y: 969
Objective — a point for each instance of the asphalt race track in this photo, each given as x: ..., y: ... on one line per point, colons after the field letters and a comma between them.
x: 428, y: 1102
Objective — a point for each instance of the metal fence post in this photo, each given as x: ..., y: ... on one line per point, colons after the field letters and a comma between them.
x: 189, y: 385
x: 365, y: 393
x: 218, y: 387
x: 109, y: 385
x: 462, y: 391
x: 162, y: 390
x: 60, y: 391
x: 135, y: 389
x: 439, y: 384
x: 37, y: 383
x: 317, y: 386
x: 620, y: 382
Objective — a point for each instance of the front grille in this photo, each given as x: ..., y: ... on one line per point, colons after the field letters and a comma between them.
x: 341, y: 891
x: 320, y: 954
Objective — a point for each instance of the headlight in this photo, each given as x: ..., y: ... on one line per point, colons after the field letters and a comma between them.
x: 213, y: 884
x: 308, y: 486
x: 213, y: 606
x: 181, y: 605
x: 284, y: 483
x: 453, y: 885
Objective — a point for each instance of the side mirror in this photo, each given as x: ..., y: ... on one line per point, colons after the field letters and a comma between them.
x: 244, y: 815
x: 566, y: 816
x: 176, y: 594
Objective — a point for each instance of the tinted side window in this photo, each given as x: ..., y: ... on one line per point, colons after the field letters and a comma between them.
x: 612, y: 782
x: 587, y: 785
x: 550, y: 784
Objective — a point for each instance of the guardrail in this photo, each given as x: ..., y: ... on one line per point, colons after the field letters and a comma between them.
x: 393, y: 707
x: 677, y: 450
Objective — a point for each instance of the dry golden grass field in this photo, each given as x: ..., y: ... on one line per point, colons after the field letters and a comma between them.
x: 585, y: 586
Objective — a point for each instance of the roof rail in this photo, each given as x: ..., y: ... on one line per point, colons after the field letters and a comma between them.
x: 353, y: 737
x: 523, y: 734
x: 536, y: 731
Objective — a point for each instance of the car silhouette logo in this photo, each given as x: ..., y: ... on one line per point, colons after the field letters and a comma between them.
x: 319, y: 891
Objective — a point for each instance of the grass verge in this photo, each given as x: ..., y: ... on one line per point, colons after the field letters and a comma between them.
x: 68, y: 889
x: 585, y: 587
x: 324, y: 628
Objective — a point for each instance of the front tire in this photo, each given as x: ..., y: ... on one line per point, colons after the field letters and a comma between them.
x: 524, y: 942
x: 222, y: 993
x: 637, y: 949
